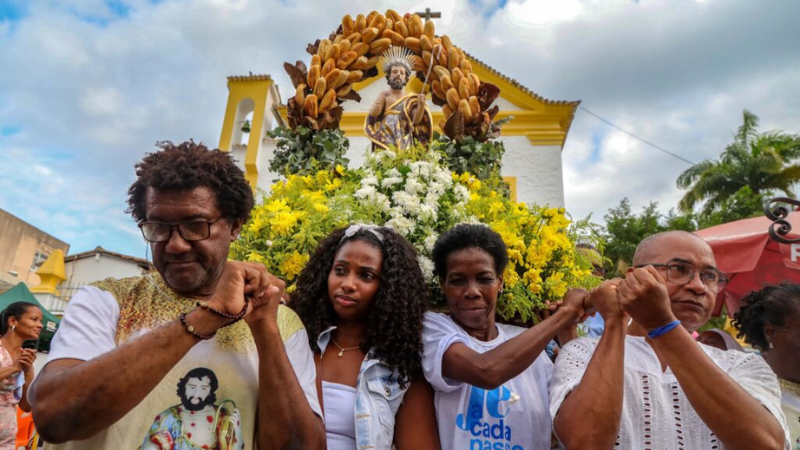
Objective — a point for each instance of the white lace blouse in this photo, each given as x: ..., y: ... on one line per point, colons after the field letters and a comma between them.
x: 656, y: 415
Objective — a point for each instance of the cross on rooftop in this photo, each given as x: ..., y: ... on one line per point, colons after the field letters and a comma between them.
x: 428, y: 15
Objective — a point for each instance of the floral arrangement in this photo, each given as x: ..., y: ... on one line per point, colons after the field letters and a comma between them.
x: 415, y: 193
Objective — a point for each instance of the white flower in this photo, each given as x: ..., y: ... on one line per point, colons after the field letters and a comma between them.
x: 268, y: 243
x: 382, y: 202
x: 462, y: 193
x: 408, y: 202
x: 421, y: 168
x: 425, y: 212
x: 426, y: 266
x: 401, y: 224
x: 371, y: 180
x: 430, y: 241
x: 391, y: 181
x: 365, y: 192
x: 444, y: 177
x: 413, y: 186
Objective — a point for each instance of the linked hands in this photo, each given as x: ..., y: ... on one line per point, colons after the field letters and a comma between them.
x: 642, y: 296
x: 248, y: 282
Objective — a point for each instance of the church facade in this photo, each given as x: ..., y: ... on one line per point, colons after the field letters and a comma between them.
x: 533, y: 140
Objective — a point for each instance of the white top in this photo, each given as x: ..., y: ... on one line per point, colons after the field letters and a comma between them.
x: 790, y: 403
x: 656, y: 414
x: 513, y: 416
x: 339, y: 402
x: 89, y: 329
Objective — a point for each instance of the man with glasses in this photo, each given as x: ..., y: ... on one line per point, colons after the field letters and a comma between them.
x: 123, y: 345
x: 646, y: 384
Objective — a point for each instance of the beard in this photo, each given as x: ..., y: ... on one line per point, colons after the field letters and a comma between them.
x: 396, y: 84
x: 202, y: 403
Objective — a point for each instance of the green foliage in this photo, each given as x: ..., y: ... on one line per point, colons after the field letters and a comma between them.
x: 482, y: 159
x: 306, y: 151
x: 763, y: 162
x: 743, y: 204
x: 624, y: 231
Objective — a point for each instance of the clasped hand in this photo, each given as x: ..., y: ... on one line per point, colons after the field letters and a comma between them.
x: 26, y: 358
x: 248, y: 279
x: 642, y: 295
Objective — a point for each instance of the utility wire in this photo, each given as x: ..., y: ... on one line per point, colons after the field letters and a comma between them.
x: 638, y: 138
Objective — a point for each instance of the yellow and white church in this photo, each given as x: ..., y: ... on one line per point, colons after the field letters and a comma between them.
x: 534, y: 139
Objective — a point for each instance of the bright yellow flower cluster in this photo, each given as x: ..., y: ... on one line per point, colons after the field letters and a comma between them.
x: 542, y: 258
x: 302, y: 210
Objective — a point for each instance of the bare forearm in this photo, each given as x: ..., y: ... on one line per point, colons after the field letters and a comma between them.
x: 491, y: 369
x: 719, y: 400
x: 6, y: 372
x: 23, y: 401
x: 285, y: 419
x: 377, y: 107
x: 419, y: 114
x: 590, y: 416
x: 66, y: 410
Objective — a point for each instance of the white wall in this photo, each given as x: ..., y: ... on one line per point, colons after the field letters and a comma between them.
x: 99, y: 267
x: 538, y: 171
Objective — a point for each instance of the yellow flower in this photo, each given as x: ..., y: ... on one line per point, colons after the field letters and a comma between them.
x: 276, y: 206
x: 332, y: 185
x: 340, y: 169
x: 284, y: 222
x: 255, y: 257
x: 293, y: 265
x: 321, y: 208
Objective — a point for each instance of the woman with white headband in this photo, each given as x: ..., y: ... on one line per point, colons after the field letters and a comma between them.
x: 362, y: 297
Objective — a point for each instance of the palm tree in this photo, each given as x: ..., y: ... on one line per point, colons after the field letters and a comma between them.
x: 764, y: 162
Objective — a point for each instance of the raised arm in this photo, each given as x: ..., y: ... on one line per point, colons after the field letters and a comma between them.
x: 718, y: 399
x: 415, y: 423
x: 285, y: 418
x: 379, y: 105
x: 493, y: 368
x: 589, y: 417
x: 65, y: 410
x: 419, y: 112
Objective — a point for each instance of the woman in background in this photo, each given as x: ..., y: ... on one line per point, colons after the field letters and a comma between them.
x: 770, y: 322
x: 20, y: 321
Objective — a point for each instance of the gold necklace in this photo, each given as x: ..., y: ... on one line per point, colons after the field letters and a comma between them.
x: 342, y: 350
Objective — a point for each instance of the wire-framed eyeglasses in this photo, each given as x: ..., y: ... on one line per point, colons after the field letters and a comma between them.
x: 680, y: 273
x: 191, y: 230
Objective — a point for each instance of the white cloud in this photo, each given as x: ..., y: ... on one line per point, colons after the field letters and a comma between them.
x: 93, y: 90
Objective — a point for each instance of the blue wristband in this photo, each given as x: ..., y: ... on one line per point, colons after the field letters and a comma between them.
x: 663, y: 329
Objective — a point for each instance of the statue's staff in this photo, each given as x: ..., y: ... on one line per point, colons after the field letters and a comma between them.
x: 430, y: 66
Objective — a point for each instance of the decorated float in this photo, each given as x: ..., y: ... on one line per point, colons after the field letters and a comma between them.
x: 419, y: 182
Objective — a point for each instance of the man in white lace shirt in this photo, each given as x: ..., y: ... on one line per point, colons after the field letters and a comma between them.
x: 646, y: 384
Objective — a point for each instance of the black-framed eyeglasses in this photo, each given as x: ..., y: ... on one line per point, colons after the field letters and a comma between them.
x: 681, y: 273
x: 191, y: 230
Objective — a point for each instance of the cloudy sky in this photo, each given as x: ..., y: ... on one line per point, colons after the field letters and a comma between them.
x: 88, y: 86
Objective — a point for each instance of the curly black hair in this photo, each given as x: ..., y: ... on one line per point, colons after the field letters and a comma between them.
x: 773, y: 304
x: 394, y: 331
x: 466, y: 236
x: 186, y: 166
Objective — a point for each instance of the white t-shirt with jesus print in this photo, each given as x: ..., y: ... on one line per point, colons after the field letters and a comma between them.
x: 208, y: 400
x: 515, y: 416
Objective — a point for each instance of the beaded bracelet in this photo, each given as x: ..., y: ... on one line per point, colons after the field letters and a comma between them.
x: 663, y: 329
x: 191, y: 329
x: 235, y: 317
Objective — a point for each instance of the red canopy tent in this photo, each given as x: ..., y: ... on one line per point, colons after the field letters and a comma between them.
x: 751, y: 258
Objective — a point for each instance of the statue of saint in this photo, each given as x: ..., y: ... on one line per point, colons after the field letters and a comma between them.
x: 396, y: 118
x: 197, y: 422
